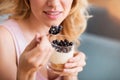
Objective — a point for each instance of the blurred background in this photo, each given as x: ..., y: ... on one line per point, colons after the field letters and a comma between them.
x: 101, y: 41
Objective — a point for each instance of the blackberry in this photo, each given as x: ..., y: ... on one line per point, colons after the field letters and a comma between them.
x: 59, y: 28
x: 71, y: 43
x: 66, y: 42
x: 62, y: 45
x: 55, y: 41
x: 55, y: 30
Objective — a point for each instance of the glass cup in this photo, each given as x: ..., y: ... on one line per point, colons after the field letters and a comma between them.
x: 63, y: 50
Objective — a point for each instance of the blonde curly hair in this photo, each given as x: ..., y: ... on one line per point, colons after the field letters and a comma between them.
x: 6, y: 6
x: 74, y: 24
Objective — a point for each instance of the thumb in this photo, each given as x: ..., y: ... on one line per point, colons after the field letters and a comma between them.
x: 44, y: 41
x: 33, y: 43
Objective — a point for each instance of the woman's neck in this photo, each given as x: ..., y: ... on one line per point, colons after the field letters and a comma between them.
x: 35, y: 25
x: 30, y: 28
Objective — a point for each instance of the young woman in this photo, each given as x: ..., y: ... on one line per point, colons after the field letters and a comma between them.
x: 24, y: 42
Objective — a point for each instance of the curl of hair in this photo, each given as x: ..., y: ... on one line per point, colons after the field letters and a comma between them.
x: 21, y: 9
x: 6, y: 6
x: 76, y: 22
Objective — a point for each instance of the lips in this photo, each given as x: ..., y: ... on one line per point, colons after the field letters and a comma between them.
x: 53, y: 14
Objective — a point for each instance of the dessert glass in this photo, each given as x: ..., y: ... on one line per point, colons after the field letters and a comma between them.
x: 63, y: 50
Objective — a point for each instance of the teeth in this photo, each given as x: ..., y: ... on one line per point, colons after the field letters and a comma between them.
x: 52, y: 13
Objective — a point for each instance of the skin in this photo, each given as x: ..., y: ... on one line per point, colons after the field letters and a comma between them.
x: 36, y: 55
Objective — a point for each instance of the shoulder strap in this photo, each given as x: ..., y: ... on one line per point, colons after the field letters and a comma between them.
x: 19, y: 40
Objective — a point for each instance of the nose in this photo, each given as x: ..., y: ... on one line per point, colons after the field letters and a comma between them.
x: 53, y: 3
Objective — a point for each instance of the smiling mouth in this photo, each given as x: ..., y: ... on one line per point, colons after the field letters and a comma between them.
x: 52, y: 13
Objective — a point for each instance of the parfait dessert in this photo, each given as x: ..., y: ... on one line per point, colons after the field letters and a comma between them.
x: 63, y: 50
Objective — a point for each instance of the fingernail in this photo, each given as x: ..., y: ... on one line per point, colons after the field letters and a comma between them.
x: 65, y: 70
x: 66, y: 65
x: 71, y: 60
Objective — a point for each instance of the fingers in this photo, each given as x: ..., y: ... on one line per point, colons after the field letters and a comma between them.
x: 45, y: 58
x: 75, y: 64
x: 41, y: 59
x: 33, y: 43
x: 74, y: 70
x: 78, y: 60
x: 38, y: 45
x: 77, y: 57
x: 44, y: 43
x: 36, y: 54
x: 41, y: 53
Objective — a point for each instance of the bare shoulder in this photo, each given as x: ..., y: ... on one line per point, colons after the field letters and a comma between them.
x: 5, y: 38
x: 7, y: 55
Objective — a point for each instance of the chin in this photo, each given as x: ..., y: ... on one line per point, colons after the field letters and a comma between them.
x: 54, y: 23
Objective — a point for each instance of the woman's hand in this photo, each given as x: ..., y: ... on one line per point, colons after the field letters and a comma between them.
x: 75, y: 65
x: 36, y: 55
